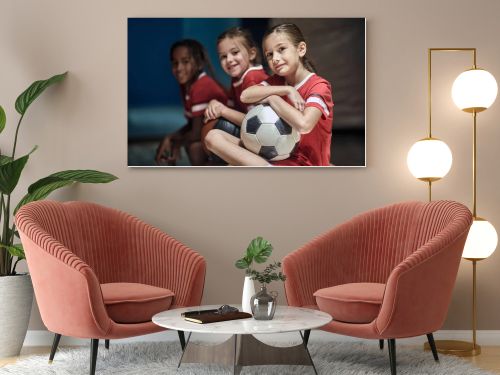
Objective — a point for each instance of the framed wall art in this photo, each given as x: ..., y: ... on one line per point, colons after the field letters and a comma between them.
x: 255, y: 92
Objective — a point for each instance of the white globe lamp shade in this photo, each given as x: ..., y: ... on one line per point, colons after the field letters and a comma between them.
x: 474, y: 90
x: 429, y: 159
x: 481, y: 241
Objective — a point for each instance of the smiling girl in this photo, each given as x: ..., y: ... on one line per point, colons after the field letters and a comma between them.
x: 189, y: 61
x: 296, y: 93
x: 240, y: 60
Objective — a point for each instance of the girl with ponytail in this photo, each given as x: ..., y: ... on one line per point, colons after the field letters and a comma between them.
x: 296, y: 93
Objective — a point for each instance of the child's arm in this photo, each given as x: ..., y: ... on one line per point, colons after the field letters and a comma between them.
x: 166, y: 145
x: 256, y: 93
x: 259, y: 93
x: 194, y: 133
x: 303, y: 122
x: 216, y: 109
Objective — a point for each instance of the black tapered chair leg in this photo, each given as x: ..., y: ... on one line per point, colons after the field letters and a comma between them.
x: 106, y: 344
x: 392, y: 355
x: 381, y: 344
x: 55, y: 344
x: 182, y: 339
x: 432, y: 344
x: 94, y: 345
x: 307, y: 333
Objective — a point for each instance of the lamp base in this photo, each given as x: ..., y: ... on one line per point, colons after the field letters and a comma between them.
x: 454, y: 347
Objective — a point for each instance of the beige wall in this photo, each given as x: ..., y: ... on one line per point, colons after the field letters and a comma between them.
x: 82, y: 124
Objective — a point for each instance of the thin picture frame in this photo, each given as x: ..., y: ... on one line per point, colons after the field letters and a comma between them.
x: 155, y: 106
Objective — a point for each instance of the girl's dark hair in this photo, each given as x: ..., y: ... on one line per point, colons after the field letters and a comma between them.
x: 246, y: 36
x: 198, y: 52
x: 296, y: 37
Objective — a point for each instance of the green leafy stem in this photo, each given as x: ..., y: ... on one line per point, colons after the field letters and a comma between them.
x: 259, y: 250
x: 11, y: 170
x: 269, y: 274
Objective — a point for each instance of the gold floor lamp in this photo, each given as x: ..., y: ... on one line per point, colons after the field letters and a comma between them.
x: 430, y: 159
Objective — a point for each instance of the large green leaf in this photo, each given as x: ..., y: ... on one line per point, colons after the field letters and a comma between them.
x: 10, y: 171
x: 242, y: 263
x: 43, y: 183
x: 42, y: 192
x: 31, y: 93
x: 43, y: 187
x: 259, y: 250
x: 15, y: 250
x: 76, y: 175
x: 3, y: 119
x: 4, y: 159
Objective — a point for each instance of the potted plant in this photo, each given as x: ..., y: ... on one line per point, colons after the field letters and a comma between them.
x: 259, y: 250
x: 16, y: 291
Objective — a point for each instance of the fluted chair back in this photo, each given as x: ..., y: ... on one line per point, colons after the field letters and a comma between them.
x: 368, y: 247
x: 73, y: 248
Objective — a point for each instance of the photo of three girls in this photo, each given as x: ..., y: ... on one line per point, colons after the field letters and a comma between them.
x: 213, y: 114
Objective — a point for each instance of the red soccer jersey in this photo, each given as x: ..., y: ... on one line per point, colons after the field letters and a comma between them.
x: 199, y: 95
x: 252, y: 76
x: 314, y: 147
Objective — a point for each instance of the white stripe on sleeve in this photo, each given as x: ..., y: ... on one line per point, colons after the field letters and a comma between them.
x: 199, y: 107
x: 317, y: 100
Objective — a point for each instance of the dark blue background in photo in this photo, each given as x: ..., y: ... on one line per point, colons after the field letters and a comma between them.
x: 154, y: 100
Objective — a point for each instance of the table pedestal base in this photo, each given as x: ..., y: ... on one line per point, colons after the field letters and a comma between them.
x: 246, y: 350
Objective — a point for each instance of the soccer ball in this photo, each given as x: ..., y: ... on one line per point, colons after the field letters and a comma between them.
x: 267, y: 135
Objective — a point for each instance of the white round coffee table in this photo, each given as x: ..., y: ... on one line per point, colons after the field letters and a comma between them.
x: 242, y: 348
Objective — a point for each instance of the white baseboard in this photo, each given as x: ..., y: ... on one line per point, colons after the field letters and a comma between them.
x: 484, y: 337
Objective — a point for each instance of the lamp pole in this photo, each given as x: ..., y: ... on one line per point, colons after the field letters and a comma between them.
x: 459, y: 348
x: 430, y: 179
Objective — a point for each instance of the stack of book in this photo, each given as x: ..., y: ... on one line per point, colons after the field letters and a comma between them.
x: 212, y: 316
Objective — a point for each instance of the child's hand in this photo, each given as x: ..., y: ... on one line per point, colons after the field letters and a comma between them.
x: 165, y: 146
x: 296, y: 100
x: 214, y: 110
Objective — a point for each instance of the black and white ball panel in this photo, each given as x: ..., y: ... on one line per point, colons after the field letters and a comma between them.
x: 253, y: 124
x: 250, y: 141
x: 268, y: 152
x: 283, y: 127
x: 267, y: 135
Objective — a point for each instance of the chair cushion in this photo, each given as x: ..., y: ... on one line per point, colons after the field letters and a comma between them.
x: 351, y: 303
x: 135, y: 303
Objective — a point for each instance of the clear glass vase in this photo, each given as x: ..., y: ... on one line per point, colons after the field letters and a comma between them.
x: 263, y: 304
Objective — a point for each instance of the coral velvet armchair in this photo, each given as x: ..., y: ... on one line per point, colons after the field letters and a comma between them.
x: 385, y: 274
x: 100, y: 273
